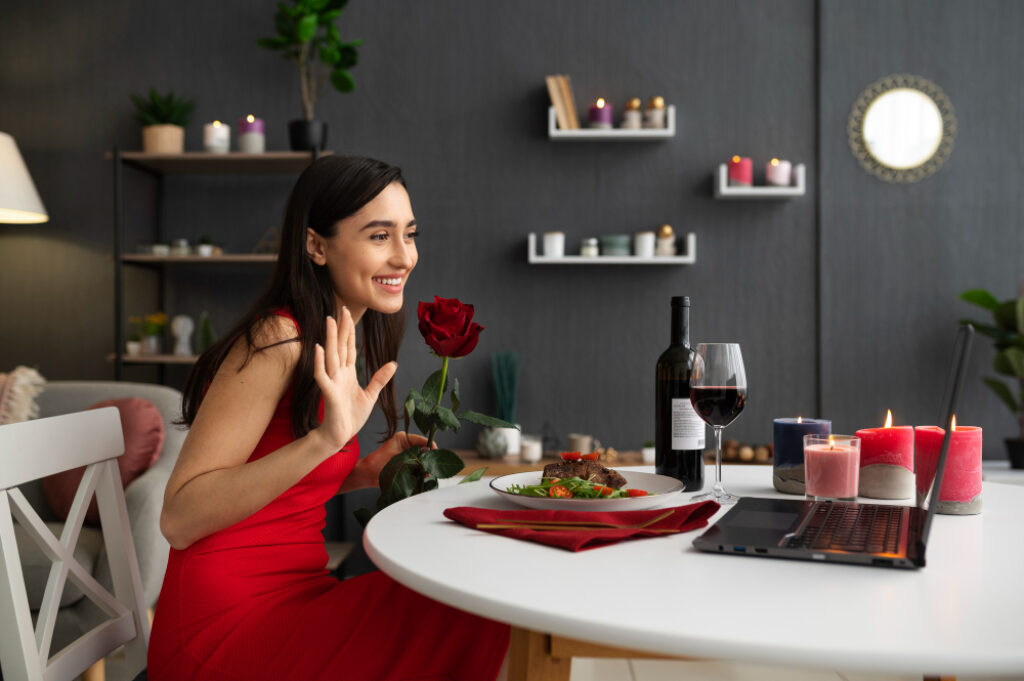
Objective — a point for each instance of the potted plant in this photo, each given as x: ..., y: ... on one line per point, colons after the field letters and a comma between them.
x: 495, y: 442
x: 133, y: 346
x: 153, y: 326
x: 205, y: 248
x: 1007, y: 334
x: 163, y: 119
x: 306, y: 35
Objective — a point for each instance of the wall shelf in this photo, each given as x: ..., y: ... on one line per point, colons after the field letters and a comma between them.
x: 155, y: 359
x: 689, y: 258
x: 206, y: 162
x: 612, y: 134
x: 724, y: 191
x: 228, y: 258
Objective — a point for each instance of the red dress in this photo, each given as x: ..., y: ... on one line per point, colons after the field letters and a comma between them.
x: 255, y: 601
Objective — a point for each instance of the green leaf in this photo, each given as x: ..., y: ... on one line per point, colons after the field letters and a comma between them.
x: 429, y: 484
x: 330, y: 55
x: 410, y: 407
x: 392, y: 466
x: 1006, y: 316
x: 447, y: 418
x: 347, y: 57
x: 1013, y: 359
x: 333, y: 35
x: 484, y: 420
x: 424, y: 418
x: 342, y: 80
x: 363, y: 516
x: 474, y: 476
x: 403, y: 484
x: 306, y: 28
x: 456, y: 400
x: 441, y: 463
x: 329, y: 16
x: 981, y: 298
x: 1003, y: 392
x: 432, y: 388
x: 1020, y: 315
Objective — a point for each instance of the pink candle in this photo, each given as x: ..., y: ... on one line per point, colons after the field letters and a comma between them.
x: 741, y: 172
x: 778, y: 173
x: 600, y: 114
x: 887, y: 461
x: 831, y: 467
x: 961, y: 481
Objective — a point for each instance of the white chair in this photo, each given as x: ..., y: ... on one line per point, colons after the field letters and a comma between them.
x: 35, y: 449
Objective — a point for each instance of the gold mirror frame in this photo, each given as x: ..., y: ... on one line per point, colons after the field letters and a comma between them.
x: 855, y: 128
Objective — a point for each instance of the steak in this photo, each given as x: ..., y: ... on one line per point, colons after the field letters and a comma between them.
x: 588, y: 470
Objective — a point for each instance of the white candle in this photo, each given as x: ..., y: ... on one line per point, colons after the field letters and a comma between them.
x: 250, y: 135
x: 778, y: 173
x: 217, y: 137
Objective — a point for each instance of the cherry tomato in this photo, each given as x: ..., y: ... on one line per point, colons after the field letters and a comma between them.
x: 591, y: 457
x: 636, y: 492
x: 570, y: 456
x: 604, y: 490
x: 559, y: 491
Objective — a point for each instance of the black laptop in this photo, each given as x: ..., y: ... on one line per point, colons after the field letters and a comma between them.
x: 841, y: 532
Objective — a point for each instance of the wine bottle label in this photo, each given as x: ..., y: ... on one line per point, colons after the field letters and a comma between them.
x: 687, y: 427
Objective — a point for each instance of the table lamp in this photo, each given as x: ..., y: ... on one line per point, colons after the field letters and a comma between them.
x: 19, y: 200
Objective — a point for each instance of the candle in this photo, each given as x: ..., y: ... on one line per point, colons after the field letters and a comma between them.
x: 887, y: 461
x: 654, y: 115
x: 217, y: 137
x: 601, y: 114
x: 778, y: 173
x: 832, y: 466
x: 961, y: 481
x: 741, y: 172
x: 632, y: 118
x: 666, y: 241
x: 788, y: 473
x: 250, y: 135
x: 643, y: 244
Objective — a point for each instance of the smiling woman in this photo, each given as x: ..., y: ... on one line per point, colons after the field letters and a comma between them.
x: 274, y: 409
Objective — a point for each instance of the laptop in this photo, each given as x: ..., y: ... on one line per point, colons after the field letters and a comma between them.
x: 882, y: 535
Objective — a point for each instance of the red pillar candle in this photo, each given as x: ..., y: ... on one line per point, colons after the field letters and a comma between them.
x: 961, y: 481
x: 741, y: 172
x: 887, y: 461
x: 600, y: 114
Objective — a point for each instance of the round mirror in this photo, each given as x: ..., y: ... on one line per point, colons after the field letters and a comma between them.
x: 902, y: 128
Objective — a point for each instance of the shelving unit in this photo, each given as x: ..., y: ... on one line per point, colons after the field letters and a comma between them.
x: 613, y: 134
x: 724, y: 191
x: 689, y: 258
x: 158, y: 165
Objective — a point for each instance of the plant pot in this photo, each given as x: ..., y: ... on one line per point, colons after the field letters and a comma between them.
x: 1015, y: 451
x: 304, y: 135
x: 163, y: 139
x: 152, y: 345
x: 133, y: 348
x: 204, y: 250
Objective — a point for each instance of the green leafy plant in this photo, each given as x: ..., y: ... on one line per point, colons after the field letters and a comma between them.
x: 207, y: 336
x: 1007, y: 334
x: 505, y: 373
x: 448, y: 328
x: 306, y: 35
x: 157, y: 109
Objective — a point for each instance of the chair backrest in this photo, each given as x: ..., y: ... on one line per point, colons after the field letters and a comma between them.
x: 35, y: 449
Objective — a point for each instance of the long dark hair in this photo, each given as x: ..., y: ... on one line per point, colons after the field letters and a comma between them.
x: 331, y: 189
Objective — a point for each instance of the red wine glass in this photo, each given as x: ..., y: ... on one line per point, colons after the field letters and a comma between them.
x: 718, y: 392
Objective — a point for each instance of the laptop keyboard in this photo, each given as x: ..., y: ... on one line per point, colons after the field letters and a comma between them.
x: 851, y: 527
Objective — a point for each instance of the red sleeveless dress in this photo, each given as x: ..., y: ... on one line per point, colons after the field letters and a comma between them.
x: 255, y: 601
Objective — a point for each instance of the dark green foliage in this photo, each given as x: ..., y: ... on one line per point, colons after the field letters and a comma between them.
x: 166, y: 109
x: 1007, y: 334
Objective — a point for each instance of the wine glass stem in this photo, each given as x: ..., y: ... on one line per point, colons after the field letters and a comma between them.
x: 719, y: 489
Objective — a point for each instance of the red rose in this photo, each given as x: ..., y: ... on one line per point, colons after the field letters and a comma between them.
x: 447, y: 326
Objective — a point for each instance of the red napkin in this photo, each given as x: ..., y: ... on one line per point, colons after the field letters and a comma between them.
x: 681, y: 518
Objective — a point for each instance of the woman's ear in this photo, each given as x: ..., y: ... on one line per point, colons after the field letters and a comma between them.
x: 315, y: 247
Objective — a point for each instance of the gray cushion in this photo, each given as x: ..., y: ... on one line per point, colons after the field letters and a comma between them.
x: 36, y: 566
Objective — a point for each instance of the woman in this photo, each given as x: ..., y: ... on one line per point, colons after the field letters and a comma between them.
x: 274, y: 409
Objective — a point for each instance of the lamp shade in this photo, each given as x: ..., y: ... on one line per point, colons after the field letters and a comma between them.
x: 19, y: 200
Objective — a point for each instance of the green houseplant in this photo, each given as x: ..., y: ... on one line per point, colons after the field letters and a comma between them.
x: 1007, y: 334
x: 308, y: 36
x: 163, y: 119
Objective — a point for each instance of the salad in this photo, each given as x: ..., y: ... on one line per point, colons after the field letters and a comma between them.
x: 573, y: 488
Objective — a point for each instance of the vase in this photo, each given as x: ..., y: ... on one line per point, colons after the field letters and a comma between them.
x: 306, y: 135
x: 152, y: 345
x: 1015, y: 451
x: 163, y: 139
x: 491, y: 443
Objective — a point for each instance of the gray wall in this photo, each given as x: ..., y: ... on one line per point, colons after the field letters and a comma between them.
x: 453, y: 92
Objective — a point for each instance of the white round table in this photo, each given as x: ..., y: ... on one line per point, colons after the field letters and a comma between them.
x: 961, y: 614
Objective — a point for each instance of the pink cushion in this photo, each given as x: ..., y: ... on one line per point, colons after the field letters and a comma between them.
x: 143, y: 428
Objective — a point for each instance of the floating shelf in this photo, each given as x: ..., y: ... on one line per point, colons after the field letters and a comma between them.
x: 724, y: 191
x: 613, y: 134
x: 155, y: 359
x: 690, y: 258
x: 232, y: 162
x: 227, y: 258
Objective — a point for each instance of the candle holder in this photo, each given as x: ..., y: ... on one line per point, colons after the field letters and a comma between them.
x: 788, y: 451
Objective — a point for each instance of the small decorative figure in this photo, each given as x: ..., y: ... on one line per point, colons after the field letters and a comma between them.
x: 666, y: 244
x: 632, y: 118
x: 182, y: 327
x: 654, y: 116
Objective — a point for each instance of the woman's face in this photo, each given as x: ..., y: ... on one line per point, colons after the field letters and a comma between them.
x: 372, y: 253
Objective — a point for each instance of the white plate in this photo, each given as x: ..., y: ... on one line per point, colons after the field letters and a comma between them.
x: 661, y: 489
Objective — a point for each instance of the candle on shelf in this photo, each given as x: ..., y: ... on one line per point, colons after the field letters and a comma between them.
x: 788, y: 464
x: 643, y: 244
x: 832, y: 466
x: 217, y: 137
x: 778, y: 173
x: 887, y: 461
x: 632, y: 117
x: 741, y: 172
x: 601, y: 114
x: 250, y: 135
x: 666, y: 242
x: 654, y: 115
x: 961, y: 480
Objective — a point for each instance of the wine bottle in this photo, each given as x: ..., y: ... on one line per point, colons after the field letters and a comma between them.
x: 679, y: 431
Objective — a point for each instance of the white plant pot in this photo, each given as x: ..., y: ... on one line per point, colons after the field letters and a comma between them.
x: 512, y: 439
x: 133, y: 348
x: 648, y: 454
x: 152, y: 345
x: 204, y: 250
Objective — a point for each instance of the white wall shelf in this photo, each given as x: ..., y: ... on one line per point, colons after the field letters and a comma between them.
x: 724, y: 191
x: 612, y: 134
x: 688, y: 258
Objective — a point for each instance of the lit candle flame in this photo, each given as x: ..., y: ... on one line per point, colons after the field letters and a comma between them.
x: 775, y: 161
x: 888, y: 418
x: 250, y: 118
x: 831, y: 442
x: 216, y: 124
x: 952, y: 423
x: 799, y: 419
x: 600, y: 102
x: 735, y: 159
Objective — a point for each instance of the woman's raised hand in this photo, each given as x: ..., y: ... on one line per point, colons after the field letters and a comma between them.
x: 346, y: 404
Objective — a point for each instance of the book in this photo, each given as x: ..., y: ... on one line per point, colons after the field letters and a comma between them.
x: 555, y: 93
x: 570, y: 102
